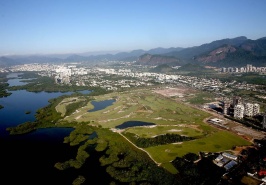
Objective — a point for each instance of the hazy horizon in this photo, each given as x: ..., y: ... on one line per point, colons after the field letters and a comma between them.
x: 61, y: 27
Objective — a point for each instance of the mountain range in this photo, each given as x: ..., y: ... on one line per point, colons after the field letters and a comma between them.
x: 227, y: 52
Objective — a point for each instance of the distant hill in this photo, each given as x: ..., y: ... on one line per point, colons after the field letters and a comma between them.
x: 191, y: 52
x: 159, y: 50
x: 66, y: 58
x: 7, y: 62
x: 249, y: 52
x: 256, y: 47
x: 148, y: 59
x: 233, y: 52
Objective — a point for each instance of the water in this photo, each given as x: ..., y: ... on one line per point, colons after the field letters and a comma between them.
x: 16, y: 82
x: 30, y: 158
x: 13, y: 75
x: 133, y: 124
x: 100, y: 105
x: 85, y: 91
x: 18, y: 103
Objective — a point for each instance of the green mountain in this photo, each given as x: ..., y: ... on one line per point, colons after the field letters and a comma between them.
x: 249, y: 52
x: 233, y: 52
x: 148, y: 59
x: 190, y: 53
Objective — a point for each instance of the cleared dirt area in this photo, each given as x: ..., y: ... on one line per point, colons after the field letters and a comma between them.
x: 179, y: 91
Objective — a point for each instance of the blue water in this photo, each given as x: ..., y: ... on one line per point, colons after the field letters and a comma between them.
x: 100, y: 105
x: 133, y: 124
x: 85, y: 91
x: 13, y: 75
x: 30, y: 158
x: 16, y: 82
x: 18, y: 103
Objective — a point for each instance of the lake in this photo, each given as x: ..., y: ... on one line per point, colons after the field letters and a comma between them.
x: 20, y: 102
x: 128, y: 124
x: 100, y: 105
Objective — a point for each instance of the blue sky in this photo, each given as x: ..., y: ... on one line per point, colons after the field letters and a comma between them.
x: 76, y: 26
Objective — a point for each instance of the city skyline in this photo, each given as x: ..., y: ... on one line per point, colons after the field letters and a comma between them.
x: 57, y: 27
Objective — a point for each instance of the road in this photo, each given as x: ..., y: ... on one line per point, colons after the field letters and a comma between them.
x: 119, y: 132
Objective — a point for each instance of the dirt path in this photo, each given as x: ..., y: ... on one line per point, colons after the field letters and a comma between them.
x: 119, y: 132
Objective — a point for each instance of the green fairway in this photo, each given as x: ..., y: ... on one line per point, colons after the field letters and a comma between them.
x: 61, y: 107
x: 148, y: 132
x: 219, y: 141
x: 170, y: 117
x: 142, y: 106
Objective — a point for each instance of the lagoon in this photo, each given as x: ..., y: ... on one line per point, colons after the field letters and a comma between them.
x: 133, y: 124
x: 30, y: 158
x: 100, y: 105
x: 20, y: 102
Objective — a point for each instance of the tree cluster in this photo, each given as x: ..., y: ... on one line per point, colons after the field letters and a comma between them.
x: 158, y: 140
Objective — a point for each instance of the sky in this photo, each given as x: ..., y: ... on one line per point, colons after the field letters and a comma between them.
x: 77, y: 26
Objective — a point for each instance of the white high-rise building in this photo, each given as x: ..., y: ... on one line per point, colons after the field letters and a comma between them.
x: 239, y: 111
x: 249, y: 68
x: 248, y: 109
x: 256, y: 109
x: 226, y: 107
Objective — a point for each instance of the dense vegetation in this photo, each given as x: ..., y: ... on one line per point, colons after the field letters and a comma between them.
x: 202, y: 172
x: 3, y: 87
x: 155, y: 141
x: 240, y: 58
x: 22, y: 128
x: 3, y: 92
x: 192, y: 69
x: 74, y: 106
x: 249, y: 78
x: 122, y: 161
x: 163, y: 68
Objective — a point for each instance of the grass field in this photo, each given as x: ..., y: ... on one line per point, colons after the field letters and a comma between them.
x: 61, y: 107
x: 149, y: 132
x: 215, y: 142
x: 169, y: 116
x: 142, y: 106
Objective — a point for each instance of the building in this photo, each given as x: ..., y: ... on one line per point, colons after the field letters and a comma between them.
x: 226, y: 160
x: 226, y: 107
x: 230, y: 156
x: 218, y: 122
x: 230, y: 165
x: 239, y: 111
x: 236, y: 100
x: 249, y: 68
x: 248, y: 109
x: 224, y: 70
x: 256, y: 109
